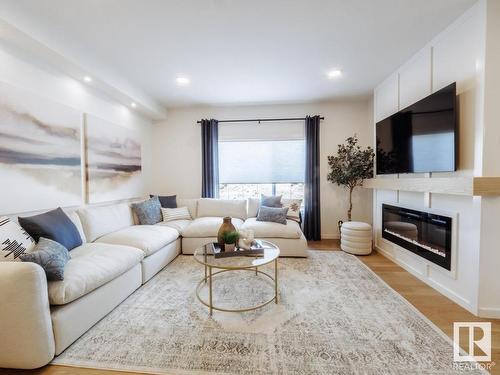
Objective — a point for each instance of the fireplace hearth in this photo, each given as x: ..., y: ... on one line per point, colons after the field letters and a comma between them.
x: 423, y: 233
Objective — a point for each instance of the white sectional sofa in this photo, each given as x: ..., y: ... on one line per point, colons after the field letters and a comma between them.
x: 116, y: 257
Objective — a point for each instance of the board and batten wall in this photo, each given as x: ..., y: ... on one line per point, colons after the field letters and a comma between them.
x: 455, y: 55
x: 177, y: 150
x: 37, y: 78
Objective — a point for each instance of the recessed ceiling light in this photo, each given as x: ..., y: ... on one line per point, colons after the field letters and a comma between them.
x: 182, y: 81
x: 334, y: 74
x: 87, y: 79
x: 133, y: 105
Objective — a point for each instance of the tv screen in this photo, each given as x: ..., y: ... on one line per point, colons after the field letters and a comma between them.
x: 421, y: 137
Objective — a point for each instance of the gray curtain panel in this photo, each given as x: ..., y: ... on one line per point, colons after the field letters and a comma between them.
x: 312, y: 217
x: 210, y: 158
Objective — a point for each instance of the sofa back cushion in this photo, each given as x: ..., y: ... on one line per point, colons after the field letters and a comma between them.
x: 98, y: 221
x: 253, y: 207
x: 73, y: 216
x: 191, y: 204
x: 222, y: 207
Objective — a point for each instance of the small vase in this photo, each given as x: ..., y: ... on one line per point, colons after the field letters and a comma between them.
x: 226, y: 226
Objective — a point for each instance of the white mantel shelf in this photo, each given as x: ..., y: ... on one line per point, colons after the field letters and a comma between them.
x: 470, y: 186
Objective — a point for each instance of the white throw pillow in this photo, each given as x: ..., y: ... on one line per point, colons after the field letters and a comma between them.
x: 171, y: 214
x: 293, y: 208
x: 14, y: 240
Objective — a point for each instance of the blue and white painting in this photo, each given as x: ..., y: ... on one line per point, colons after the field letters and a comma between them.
x: 40, y: 158
x: 113, y: 161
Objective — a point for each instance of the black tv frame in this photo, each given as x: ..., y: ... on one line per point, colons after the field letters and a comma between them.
x: 456, y: 134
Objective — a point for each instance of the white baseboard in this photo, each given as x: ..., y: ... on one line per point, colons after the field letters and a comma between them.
x: 429, y: 281
x: 489, y: 312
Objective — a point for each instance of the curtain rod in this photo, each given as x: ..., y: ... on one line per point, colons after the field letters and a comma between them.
x: 266, y: 120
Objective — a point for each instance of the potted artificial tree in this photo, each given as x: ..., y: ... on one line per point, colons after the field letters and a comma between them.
x: 350, y: 167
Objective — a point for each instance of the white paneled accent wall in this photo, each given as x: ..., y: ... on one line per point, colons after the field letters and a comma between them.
x: 455, y: 55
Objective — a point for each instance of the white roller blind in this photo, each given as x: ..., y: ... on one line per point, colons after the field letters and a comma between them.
x: 261, y: 154
x: 268, y: 131
x: 261, y: 162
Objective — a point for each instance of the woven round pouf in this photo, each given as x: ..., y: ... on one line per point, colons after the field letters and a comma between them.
x: 356, y: 238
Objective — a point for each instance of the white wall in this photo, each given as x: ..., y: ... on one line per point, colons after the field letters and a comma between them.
x: 456, y: 54
x: 57, y: 87
x: 177, y: 150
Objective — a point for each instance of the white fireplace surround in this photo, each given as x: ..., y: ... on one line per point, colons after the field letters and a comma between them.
x: 461, y: 54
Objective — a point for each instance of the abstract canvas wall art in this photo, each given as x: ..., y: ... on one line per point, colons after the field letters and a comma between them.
x: 113, y: 161
x: 40, y: 158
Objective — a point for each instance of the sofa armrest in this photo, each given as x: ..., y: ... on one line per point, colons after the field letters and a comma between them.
x: 27, y: 340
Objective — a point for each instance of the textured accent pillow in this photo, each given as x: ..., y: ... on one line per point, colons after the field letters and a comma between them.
x: 166, y: 201
x: 14, y: 240
x: 148, y: 212
x: 54, y: 225
x: 273, y: 214
x: 270, y: 200
x: 170, y: 214
x: 293, y: 209
x: 51, y: 256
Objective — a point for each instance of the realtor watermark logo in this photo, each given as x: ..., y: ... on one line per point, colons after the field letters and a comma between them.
x: 477, y: 335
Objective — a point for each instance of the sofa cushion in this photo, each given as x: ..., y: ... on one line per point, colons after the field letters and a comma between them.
x: 54, y: 225
x: 73, y: 216
x: 178, y: 225
x: 253, y: 207
x: 148, y: 238
x: 91, y: 266
x: 264, y: 229
x: 207, y: 226
x: 208, y: 207
x: 98, y: 221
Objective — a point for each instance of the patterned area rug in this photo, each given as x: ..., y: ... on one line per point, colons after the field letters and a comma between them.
x: 335, y: 316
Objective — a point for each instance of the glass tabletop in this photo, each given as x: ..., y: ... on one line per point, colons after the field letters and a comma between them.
x: 204, y: 255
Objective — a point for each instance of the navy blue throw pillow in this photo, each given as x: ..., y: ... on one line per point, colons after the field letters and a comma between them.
x: 54, y: 225
x: 166, y: 201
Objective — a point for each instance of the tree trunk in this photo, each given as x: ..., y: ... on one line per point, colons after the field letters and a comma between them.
x: 350, y: 204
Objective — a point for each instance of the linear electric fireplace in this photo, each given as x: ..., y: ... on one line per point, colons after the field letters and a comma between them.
x: 425, y: 234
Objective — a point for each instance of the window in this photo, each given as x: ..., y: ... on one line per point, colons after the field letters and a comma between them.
x: 261, y: 159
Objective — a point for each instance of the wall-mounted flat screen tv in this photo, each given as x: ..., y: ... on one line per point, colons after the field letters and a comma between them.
x: 421, y: 137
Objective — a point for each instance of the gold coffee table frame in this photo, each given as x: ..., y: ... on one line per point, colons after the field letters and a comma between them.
x: 204, y: 256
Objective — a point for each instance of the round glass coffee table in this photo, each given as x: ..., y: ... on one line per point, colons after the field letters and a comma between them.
x: 204, y: 255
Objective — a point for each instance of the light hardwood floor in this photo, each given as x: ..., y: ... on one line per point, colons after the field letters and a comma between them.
x: 436, y: 307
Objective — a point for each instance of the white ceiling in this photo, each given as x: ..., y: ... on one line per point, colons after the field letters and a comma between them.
x: 237, y: 51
